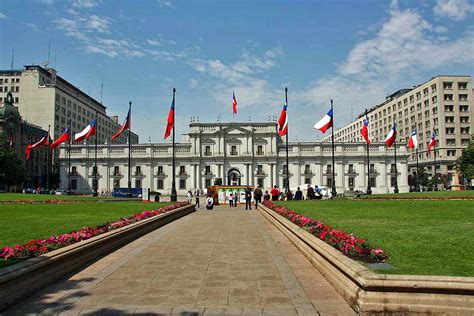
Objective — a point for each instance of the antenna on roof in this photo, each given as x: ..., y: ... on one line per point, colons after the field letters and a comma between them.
x: 13, y: 57
x: 49, y: 52
x: 101, y: 91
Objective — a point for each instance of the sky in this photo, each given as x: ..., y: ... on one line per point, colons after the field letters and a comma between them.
x: 355, y: 52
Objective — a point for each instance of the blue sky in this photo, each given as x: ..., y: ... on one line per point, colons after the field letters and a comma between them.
x: 355, y: 52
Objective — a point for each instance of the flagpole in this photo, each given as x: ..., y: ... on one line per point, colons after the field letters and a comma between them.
x: 333, y: 191
x: 174, y: 195
x: 129, y: 153
x: 287, y: 182
x: 47, y: 161
x: 69, y: 159
x: 95, y: 184
x: 434, y: 173
x: 396, y: 169
x: 417, y: 185
x: 369, y: 188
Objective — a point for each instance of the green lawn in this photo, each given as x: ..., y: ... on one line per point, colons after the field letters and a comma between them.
x: 463, y: 193
x: 20, y: 223
x: 44, y: 197
x: 421, y: 237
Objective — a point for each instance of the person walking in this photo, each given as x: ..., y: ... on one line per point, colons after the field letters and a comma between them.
x: 248, y: 199
x: 257, y: 195
x: 231, y: 199
x: 189, y: 196
x: 209, y: 202
x: 275, y: 193
x: 197, y: 198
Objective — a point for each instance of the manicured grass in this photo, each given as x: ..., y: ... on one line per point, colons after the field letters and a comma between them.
x: 421, y: 237
x: 22, y: 222
x: 440, y: 194
x: 44, y: 197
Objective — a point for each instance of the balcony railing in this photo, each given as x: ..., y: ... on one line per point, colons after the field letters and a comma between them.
x: 260, y: 153
x: 183, y: 173
x: 207, y: 153
x: 308, y: 172
x: 233, y: 153
x: 208, y: 173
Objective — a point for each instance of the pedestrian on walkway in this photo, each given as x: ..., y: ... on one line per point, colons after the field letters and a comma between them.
x: 248, y: 199
x: 197, y: 199
x: 210, y: 203
x: 257, y: 195
x: 189, y: 196
x: 275, y: 193
x: 231, y: 199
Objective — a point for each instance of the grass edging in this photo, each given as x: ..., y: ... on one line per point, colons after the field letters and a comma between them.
x: 22, y: 279
x: 368, y: 292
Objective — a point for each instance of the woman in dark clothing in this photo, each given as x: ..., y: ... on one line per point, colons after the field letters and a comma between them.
x: 248, y: 199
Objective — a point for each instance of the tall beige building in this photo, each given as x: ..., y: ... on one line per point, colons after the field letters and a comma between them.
x: 442, y: 105
x: 46, y: 99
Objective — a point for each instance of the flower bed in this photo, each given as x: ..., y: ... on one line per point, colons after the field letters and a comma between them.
x: 38, y: 247
x: 353, y: 247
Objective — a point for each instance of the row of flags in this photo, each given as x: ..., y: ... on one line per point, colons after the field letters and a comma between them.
x: 89, y: 130
x: 323, y: 125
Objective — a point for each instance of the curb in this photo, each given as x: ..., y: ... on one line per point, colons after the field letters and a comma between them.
x: 371, y: 293
x: 25, y: 278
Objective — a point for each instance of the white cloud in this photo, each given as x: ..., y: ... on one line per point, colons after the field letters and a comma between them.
x: 2, y: 16
x: 193, y: 83
x: 441, y: 29
x: 32, y: 26
x: 165, y: 3
x: 47, y: 2
x: 86, y: 4
x: 400, y: 54
x: 246, y: 77
x: 456, y: 10
x: 159, y: 40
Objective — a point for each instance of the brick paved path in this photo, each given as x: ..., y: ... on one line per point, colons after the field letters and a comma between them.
x: 221, y: 262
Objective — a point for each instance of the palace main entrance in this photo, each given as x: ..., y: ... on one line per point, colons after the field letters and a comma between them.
x: 233, y: 177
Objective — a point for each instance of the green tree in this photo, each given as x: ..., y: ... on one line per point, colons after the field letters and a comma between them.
x: 423, y: 178
x: 466, y: 162
x: 12, y: 170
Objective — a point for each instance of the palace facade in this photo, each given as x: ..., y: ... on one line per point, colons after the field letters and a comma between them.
x: 233, y: 154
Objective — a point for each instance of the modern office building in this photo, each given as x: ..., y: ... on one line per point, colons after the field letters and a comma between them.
x: 442, y: 105
x: 234, y: 154
x: 46, y: 99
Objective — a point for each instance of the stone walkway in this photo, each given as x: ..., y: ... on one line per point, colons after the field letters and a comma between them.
x: 221, y: 262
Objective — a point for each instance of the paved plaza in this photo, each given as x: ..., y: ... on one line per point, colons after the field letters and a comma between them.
x: 222, y: 262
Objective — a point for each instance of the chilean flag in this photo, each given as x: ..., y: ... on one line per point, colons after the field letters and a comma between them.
x: 283, y: 121
x: 86, y: 132
x: 61, y: 139
x: 392, y: 136
x: 325, y: 123
x: 365, y: 130
x: 234, y: 103
x: 44, y: 141
x: 170, y: 124
x: 413, y: 142
x: 432, y: 142
x: 126, y: 125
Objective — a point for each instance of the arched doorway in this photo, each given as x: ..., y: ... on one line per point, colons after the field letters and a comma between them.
x: 233, y: 177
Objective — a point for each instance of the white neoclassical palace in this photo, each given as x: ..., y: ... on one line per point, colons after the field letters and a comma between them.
x: 234, y: 154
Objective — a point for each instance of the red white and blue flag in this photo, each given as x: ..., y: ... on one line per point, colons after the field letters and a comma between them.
x: 126, y: 125
x: 170, y: 123
x: 413, y: 141
x: 44, y: 141
x: 365, y: 130
x: 432, y: 141
x: 61, y: 139
x: 392, y: 136
x: 283, y: 120
x: 325, y: 123
x: 86, y: 132
x: 234, y: 103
